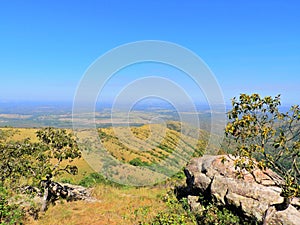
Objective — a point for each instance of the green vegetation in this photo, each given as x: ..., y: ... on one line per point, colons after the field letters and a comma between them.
x: 211, y: 213
x: 60, y: 146
x: 9, y: 213
x: 177, y: 212
x: 138, y: 162
x: 25, y: 163
x: 93, y: 179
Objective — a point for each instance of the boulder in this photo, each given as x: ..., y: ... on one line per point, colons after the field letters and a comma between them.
x: 54, y: 191
x: 255, y: 195
x: 32, y: 200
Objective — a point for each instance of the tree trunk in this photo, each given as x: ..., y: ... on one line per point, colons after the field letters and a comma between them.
x: 45, y: 200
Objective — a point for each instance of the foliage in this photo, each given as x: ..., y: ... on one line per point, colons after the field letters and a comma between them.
x: 25, y: 160
x: 9, y: 213
x: 26, y: 163
x: 61, y: 146
x: 177, y: 212
x: 262, y: 132
x: 22, y: 159
x: 96, y: 178
x: 211, y: 213
x: 179, y: 175
x: 138, y: 162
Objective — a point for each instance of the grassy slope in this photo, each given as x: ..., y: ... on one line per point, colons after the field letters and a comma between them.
x: 151, y: 143
x: 116, y: 205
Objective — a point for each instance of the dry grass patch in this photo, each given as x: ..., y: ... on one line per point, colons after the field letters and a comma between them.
x: 20, y: 134
x: 115, y: 206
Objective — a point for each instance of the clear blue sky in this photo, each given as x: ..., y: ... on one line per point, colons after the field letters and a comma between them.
x: 46, y: 46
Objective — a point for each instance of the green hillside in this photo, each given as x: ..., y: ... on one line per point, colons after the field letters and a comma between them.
x: 138, y: 147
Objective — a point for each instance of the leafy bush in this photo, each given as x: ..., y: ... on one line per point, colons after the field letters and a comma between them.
x: 211, y: 214
x: 92, y: 179
x: 96, y: 178
x: 9, y: 213
x: 138, y: 162
x: 262, y: 132
x: 179, y: 175
x: 177, y: 212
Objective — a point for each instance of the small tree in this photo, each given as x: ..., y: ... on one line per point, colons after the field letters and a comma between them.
x: 26, y: 162
x: 267, y: 138
x: 34, y: 160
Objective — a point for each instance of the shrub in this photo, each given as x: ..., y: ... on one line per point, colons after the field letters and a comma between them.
x: 262, y: 132
x: 9, y: 213
x: 177, y: 212
x: 92, y: 179
x: 96, y: 178
x: 138, y: 162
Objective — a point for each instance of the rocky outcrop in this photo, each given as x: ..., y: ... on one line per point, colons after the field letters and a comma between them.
x: 32, y: 200
x: 54, y: 191
x: 255, y: 195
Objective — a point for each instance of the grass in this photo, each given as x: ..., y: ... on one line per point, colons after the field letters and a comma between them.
x: 114, y: 206
x: 149, y: 147
x: 22, y: 133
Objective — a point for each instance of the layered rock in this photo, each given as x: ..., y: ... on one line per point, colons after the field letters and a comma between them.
x: 255, y: 195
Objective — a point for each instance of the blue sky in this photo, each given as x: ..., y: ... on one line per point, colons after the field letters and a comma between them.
x: 46, y: 46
